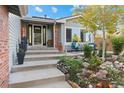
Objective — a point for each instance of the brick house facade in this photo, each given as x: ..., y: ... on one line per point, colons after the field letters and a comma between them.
x: 4, y: 73
x: 4, y: 40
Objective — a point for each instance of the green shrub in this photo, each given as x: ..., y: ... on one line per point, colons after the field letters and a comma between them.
x: 113, y: 74
x: 87, y: 51
x: 74, y: 66
x: 121, y: 59
x: 95, y: 62
x: 117, y: 44
x: 64, y: 58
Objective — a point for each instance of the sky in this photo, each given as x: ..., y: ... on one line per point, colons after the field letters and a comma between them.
x: 52, y: 11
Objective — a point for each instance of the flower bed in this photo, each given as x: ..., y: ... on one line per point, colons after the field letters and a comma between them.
x: 92, y: 72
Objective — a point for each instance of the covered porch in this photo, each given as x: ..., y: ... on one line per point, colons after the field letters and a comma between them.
x: 41, y: 32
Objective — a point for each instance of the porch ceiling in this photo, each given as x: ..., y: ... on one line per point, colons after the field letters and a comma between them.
x: 14, y: 9
x: 20, y: 10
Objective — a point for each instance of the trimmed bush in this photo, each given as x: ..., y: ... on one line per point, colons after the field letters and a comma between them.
x: 117, y: 44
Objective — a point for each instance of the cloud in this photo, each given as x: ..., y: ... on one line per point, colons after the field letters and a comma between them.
x: 54, y: 9
x: 38, y: 9
x: 77, y: 7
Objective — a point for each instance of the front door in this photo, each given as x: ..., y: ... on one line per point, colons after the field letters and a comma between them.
x: 37, y: 35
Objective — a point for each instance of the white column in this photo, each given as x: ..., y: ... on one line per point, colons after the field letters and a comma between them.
x: 32, y: 35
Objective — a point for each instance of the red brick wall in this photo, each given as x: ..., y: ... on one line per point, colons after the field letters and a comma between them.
x: 58, y: 38
x: 4, y: 71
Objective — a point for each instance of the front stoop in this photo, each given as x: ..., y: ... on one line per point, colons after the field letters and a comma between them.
x: 37, y: 73
x: 36, y: 78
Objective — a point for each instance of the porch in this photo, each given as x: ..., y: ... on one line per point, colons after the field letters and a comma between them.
x: 41, y: 32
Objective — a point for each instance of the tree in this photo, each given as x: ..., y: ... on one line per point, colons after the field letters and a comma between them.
x: 104, y: 18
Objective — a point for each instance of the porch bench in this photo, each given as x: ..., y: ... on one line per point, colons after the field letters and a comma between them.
x: 68, y: 48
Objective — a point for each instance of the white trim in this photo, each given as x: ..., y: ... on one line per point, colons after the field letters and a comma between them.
x: 70, y: 17
x: 74, y: 27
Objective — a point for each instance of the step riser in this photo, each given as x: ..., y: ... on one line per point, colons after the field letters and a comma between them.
x: 52, y: 49
x: 36, y: 53
x: 40, y: 58
x: 32, y: 68
x: 37, y: 82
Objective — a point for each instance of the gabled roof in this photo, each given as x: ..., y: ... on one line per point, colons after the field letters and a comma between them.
x: 69, y: 17
x: 49, y: 20
x: 38, y: 19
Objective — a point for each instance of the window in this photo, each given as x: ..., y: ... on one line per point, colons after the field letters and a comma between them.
x: 81, y: 35
x: 68, y: 34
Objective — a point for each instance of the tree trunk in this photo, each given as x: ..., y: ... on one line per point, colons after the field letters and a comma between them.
x: 104, y: 40
x: 103, y: 45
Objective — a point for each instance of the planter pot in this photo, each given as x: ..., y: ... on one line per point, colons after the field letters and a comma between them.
x: 20, y: 57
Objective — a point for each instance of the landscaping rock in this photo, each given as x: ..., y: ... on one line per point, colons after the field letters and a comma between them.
x: 101, y: 74
x: 86, y: 72
x: 92, y: 75
x: 86, y: 65
x: 119, y: 86
x: 116, y: 62
x: 109, y: 59
x: 114, y: 57
x: 118, y: 65
x: 90, y: 86
x: 106, y: 65
x: 122, y: 53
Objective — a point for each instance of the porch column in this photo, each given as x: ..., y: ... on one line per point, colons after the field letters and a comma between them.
x: 54, y: 28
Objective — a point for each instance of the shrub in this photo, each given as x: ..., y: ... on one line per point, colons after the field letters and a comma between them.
x: 113, y: 74
x: 95, y: 62
x: 74, y: 66
x: 87, y: 51
x: 121, y: 59
x: 64, y: 58
x: 117, y: 44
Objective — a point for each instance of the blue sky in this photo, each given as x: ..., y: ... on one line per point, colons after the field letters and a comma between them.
x: 52, y: 11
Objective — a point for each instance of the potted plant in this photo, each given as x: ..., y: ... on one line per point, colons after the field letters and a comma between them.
x: 21, y: 54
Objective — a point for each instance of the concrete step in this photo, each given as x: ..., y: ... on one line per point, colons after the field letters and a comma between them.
x: 33, y: 65
x: 35, y: 77
x: 32, y: 52
x: 37, y: 57
x: 58, y: 84
x: 40, y: 48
